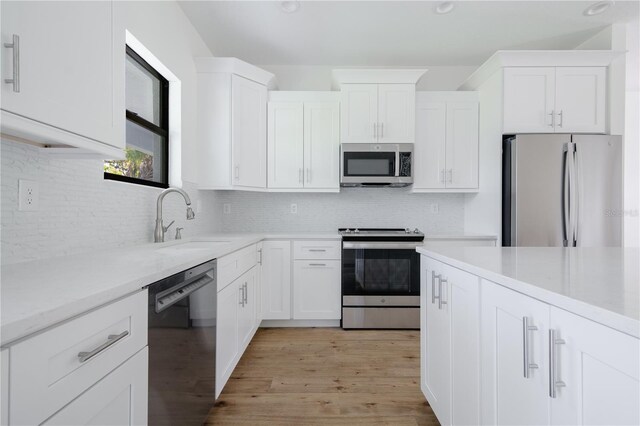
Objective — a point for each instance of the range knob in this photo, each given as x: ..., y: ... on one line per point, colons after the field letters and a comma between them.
x: 416, y: 231
x: 357, y: 231
x: 407, y: 230
x: 346, y: 231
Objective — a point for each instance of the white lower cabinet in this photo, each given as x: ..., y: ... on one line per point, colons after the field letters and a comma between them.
x: 316, y: 289
x: 544, y: 365
x: 450, y: 342
x: 276, y: 280
x: 597, y: 377
x: 91, y: 369
x: 236, y: 324
x: 514, y: 358
x: 118, y: 399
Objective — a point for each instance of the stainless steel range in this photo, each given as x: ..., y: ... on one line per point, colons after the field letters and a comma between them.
x: 381, y: 278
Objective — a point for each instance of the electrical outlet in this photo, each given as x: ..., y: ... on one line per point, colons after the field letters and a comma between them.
x: 27, y: 195
x: 226, y: 208
x: 294, y: 209
x: 434, y: 208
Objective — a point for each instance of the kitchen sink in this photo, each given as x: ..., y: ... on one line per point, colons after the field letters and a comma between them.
x: 191, y: 247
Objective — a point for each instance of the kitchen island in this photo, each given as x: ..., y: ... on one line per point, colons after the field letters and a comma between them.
x: 531, y: 335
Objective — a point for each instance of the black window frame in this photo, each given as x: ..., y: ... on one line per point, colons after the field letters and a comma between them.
x: 162, y: 130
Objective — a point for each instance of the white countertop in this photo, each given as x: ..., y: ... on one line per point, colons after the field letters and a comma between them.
x: 35, y: 295
x: 602, y: 284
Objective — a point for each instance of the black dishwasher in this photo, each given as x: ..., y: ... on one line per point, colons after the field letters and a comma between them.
x: 182, y: 346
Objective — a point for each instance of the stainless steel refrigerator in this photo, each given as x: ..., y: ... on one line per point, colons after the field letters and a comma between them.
x: 562, y: 190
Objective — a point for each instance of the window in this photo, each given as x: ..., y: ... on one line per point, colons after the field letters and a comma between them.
x: 147, y: 127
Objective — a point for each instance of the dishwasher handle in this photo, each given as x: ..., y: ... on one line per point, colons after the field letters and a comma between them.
x: 181, y: 291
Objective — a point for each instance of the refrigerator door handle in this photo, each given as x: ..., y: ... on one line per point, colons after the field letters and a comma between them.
x: 566, y: 229
x: 575, y: 206
x: 571, y: 161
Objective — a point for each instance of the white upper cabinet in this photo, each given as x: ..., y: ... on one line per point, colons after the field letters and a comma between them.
x: 554, y: 99
x: 529, y: 94
x: 378, y: 113
x: 303, y: 142
x: 396, y: 113
x: 232, y: 124
x: 249, y: 132
x: 580, y: 99
x: 446, y: 148
x: 359, y: 113
x: 285, y: 144
x: 62, y: 65
x: 322, y: 145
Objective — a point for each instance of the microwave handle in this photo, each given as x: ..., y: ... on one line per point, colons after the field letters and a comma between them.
x: 397, y: 164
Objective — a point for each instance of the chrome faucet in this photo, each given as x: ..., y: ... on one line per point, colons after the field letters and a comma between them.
x: 160, y: 229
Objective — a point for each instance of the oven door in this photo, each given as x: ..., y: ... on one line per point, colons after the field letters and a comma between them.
x: 380, y: 269
x: 368, y: 167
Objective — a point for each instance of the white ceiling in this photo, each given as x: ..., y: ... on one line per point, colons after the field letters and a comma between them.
x: 393, y: 33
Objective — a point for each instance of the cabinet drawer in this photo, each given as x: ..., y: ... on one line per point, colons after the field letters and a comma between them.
x: 309, y: 250
x: 235, y: 264
x: 47, y: 372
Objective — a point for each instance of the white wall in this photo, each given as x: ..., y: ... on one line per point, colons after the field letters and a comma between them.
x: 79, y: 210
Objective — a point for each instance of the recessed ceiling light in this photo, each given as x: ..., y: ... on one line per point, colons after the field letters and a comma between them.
x: 290, y: 6
x: 444, y: 7
x: 598, y: 8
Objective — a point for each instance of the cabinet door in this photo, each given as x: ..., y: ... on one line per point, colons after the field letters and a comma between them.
x: 118, y: 399
x: 359, y: 111
x: 285, y: 144
x: 316, y: 289
x: 529, y: 94
x: 322, y: 144
x: 436, y: 338
x: 580, y: 99
x: 460, y: 291
x: 462, y: 145
x: 227, y: 344
x: 249, y: 133
x: 65, y: 66
x: 247, y: 310
x: 396, y: 113
x: 276, y: 280
x: 429, y: 150
x: 600, y: 371
x: 508, y: 397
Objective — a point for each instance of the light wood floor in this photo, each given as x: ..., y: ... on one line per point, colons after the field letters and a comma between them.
x: 307, y: 376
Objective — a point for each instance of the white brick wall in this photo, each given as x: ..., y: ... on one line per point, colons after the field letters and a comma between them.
x: 352, y: 207
x: 79, y: 210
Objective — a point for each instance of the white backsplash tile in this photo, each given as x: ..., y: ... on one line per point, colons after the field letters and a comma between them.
x: 79, y: 210
x: 352, y: 207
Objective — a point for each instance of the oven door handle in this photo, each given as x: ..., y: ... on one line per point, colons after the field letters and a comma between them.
x: 384, y: 245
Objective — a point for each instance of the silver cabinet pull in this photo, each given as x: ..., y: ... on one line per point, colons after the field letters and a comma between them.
x: 241, y: 295
x: 15, y: 78
x: 317, y: 264
x: 237, y: 172
x: 561, y: 118
x: 381, y: 130
x: 308, y: 175
x: 553, y: 368
x: 441, y: 300
x: 552, y: 114
x: 450, y: 173
x: 433, y: 287
x: 375, y: 130
x: 323, y: 250
x: 442, y: 176
x: 246, y: 294
x: 111, y: 340
x: 526, y: 328
x: 300, y: 175
x: 260, y: 256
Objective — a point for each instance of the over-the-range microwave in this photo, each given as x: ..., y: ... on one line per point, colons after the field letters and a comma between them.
x: 371, y: 164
